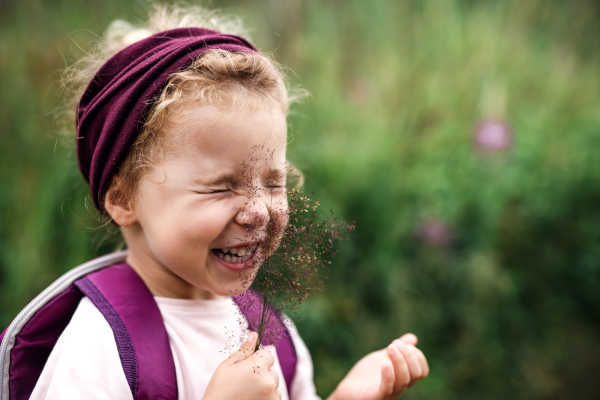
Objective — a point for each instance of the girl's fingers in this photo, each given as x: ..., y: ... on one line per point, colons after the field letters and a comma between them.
x: 423, y: 362
x: 401, y: 370
x: 409, y: 338
x: 275, y: 377
x: 386, y: 388
x: 413, y: 363
x: 264, y: 359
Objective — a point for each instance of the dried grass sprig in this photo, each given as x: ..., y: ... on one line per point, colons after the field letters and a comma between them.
x: 296, y: 264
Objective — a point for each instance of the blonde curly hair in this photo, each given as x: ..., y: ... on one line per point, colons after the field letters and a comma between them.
x: 217, y: 77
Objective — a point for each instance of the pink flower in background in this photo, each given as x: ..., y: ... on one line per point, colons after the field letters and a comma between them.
x: 435, y: 232
x: 360, y: 92
x: 493, y: 136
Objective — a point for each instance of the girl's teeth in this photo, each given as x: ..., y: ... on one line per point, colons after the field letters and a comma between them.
x: 236, y: 254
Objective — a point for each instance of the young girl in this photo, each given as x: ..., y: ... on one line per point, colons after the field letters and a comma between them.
x: 166, y: 128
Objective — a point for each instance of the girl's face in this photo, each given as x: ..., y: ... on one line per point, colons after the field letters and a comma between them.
x: 205, y: 217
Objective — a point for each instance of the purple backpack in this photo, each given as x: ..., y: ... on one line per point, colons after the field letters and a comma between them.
x: 132, y: 313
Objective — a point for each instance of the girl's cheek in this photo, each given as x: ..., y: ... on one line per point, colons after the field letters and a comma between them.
x: 281, y: 223
x: 282, y: 213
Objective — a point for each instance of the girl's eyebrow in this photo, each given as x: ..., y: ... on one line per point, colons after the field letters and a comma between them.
x: 275, y: 174
x: 230, y: 177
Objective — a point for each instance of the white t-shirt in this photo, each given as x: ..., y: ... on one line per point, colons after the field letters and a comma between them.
x: 85, y: 362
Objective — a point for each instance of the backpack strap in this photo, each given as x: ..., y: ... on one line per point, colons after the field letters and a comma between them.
x: 28, y: 341
x: 251, y: 304
x: 131, y: 311
x: 142, y: 340
x: 34, y: 343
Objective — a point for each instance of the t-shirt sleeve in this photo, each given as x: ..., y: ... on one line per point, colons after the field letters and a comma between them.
x: 85, y: 362
x: 303, y: 386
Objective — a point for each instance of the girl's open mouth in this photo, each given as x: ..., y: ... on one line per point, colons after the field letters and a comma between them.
x: 235, y: 254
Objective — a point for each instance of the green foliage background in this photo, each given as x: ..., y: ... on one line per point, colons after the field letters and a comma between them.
x: 509, y: 307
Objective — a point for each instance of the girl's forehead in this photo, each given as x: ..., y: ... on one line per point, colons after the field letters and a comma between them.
x: 215, y: 138
x: 209, y: 123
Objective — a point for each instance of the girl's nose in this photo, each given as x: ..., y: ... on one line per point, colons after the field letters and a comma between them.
x: 254, y: 214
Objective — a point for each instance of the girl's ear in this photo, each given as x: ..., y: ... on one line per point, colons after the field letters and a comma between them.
x: 119, y: 204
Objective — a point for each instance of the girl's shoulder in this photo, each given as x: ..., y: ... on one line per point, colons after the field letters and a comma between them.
x: 59, y: 325
x: 84, y: 360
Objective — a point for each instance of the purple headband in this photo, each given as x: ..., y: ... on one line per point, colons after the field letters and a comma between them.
x: 111, y: 110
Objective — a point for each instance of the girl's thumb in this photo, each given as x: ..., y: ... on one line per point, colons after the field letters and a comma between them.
x: 250, y: 344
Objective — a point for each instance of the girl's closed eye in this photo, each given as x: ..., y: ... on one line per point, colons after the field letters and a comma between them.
x: 275, y: 185
x: 211, y: 189
x: 276, y: 181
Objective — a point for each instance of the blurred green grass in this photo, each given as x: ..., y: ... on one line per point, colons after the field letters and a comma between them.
x: 507, y: 305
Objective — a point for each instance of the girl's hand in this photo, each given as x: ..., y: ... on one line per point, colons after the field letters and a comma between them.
x: 245, y: 375
x: 384, y: 374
